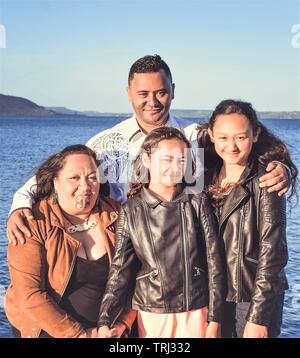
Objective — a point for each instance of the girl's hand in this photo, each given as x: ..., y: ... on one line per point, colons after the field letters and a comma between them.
x: 115, y: 332
x: 89, y: 333
x: 92, y: 333
x: 213, y: 330
x: 253, y: 330
x: 102, y: 331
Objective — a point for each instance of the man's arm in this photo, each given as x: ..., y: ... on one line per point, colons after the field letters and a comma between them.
x: 25, y: 196
x: 21, y: 208
x: 277, y: 178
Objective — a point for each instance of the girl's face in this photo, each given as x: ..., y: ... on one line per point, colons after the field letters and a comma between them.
x: 233, y: 138
x: 167, y: 162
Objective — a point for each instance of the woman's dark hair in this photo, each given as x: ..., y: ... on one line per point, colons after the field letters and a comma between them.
x: 267, y: 148
x: 50, y: 168
x: 141, y: 175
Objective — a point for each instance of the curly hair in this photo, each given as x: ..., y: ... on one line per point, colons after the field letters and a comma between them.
x: 140, y: 175
x: 268, y: 147
x: 148, y: 64
x: 50, y: 168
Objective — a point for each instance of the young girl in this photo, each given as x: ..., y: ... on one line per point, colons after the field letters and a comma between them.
x: 251, y: 220
x: 166, y: 249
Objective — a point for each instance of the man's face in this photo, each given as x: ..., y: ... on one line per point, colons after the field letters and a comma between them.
x: 151, y: 95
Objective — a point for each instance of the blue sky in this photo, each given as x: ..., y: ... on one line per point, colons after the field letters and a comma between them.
x: 77, y: 53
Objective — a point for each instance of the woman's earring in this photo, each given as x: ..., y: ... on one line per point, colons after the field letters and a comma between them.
x: 55, y: 198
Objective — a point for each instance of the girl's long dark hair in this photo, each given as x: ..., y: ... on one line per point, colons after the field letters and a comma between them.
x: 268, y: 147
x: 141, y: 175
x: 49, y: 169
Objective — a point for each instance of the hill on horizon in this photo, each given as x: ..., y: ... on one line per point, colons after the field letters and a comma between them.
x: 12, y: 105
x: 19, y: 106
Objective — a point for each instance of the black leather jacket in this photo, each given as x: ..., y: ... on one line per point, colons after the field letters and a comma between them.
x: 252, y: 223
x: 166, y: 251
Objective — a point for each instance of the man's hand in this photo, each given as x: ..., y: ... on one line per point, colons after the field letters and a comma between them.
x: 115, y: 332
x: 16, y: 229
x: 253, y: 330
x: 213, y: 330
x: 277, y: 179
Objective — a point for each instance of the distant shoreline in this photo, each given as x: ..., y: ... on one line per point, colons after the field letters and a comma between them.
x: 124, y: 116
x: 19, y: 107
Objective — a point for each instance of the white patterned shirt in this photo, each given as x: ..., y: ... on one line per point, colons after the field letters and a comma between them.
x: 115, y: 147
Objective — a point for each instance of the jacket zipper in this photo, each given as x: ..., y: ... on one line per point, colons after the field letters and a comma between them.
x: 151, y: 274
x: 186, y: 271
x: 240, y: 252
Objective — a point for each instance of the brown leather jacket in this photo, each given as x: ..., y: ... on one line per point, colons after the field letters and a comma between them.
x: 41, y: 269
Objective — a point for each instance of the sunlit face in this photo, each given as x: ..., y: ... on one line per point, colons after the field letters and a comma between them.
x: 233, y: 138
x: 167, y: 162
x: 151, y: 95
x: 77, y: 184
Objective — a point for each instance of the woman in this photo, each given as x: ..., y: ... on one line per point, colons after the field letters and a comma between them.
x: 251, y: 220
x: 167, y: 250
x: 59, y: 276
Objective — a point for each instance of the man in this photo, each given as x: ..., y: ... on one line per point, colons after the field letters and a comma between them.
x: 150, y: 91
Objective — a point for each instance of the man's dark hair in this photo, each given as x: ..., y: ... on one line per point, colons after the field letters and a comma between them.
x: 149, y: 64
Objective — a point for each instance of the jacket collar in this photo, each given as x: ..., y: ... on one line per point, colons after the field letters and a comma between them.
x: 233, y: 201
x: 239, y: 193
x: 108, y: 215
x: 153, y: 201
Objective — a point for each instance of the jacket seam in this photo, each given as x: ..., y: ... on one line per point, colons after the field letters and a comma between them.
x: 154, y: 253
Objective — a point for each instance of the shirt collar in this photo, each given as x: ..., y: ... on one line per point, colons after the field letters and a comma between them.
x: 136, y: 131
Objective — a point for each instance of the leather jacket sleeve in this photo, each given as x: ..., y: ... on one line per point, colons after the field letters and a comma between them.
x: 273, y: 256
x: 215, y: 263
x: 121, y: 280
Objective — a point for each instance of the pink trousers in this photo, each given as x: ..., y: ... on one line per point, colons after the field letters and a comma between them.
x: 191, y: 324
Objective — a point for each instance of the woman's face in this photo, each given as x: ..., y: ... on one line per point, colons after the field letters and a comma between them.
x: 167, y: 162
x: 233, y: 138
x: 77, y: 184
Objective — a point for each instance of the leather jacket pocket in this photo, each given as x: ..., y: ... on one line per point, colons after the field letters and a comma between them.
x: 250, y: 259
x: 147, y: 286
x: 150, y: 274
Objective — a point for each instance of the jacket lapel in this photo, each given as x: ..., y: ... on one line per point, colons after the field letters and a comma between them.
x: 237, y: 196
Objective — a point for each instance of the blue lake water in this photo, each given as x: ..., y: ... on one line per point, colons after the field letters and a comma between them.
x: 24, y: 143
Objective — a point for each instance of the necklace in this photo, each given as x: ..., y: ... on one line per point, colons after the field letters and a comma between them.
x: 86, y: 225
